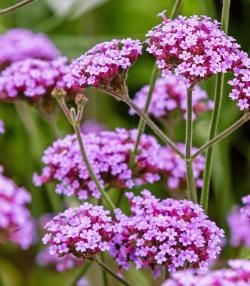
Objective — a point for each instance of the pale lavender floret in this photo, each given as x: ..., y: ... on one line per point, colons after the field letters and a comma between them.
x: 170, y: 95
x: 196, y: 48
x: 20, y: 44
x: 164, y: 234
x: 82, y: 282
x: 2, y: 129
x: 92, y: 126
x: 15, y: 219
x: 83, y: 232
x: 109, y: 154
x: 105, y: 65
x: 237, y: 274
x: 245, y: 210
x: 32, y: 78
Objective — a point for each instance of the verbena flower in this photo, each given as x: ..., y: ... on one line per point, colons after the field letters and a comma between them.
x: 194, y: 47
x: 92, y: 126
x: 105, y: 65
x: 168, y: 234
x: 84, y: 232
x: 15, y: 219
x: 2, y: 129
x: 170, y: 97
x: 32, y: 79
x: 108, y: 152
x: 20, y: 44
x: 239, y: 223
x: 82, y: 282
x: 238, y: 274
x: 68, y: 261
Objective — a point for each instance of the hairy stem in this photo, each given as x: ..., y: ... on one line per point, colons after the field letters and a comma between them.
x: 79, y: 275
x: 153, y: 126
x: 191, y: 189
x: 219, y: 86
x: 110, y: 271
x: 76, y: 128
x: 175, y: 9
x: 222, y: 135
x: 15, y: 7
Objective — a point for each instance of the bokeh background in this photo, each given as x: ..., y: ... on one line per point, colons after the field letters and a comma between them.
x: 74, y: 26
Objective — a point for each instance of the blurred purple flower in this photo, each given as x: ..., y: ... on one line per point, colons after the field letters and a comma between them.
x: 92, y: 126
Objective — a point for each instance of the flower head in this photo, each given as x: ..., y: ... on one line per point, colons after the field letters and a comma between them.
x: 15, y: 219
x: 238, y: 273
x: 194, y: 47
x: 168, y: 234
x: 91, y: 126
x: 109, y: 154
x: 83, y: 232
x: 169, y: 96
x: 20, y: 44
x: 105, y: 65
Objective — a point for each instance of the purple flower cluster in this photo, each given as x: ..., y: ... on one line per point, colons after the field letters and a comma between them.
x: 60, y: 263
x: 105, y: 65
x: 173, y: 168
x: 21, y: 44
x: 167, y: 234
x: 15, y: 219
x: 91, y: 126
x: 109, y: 154
x: 83, y: 232
x: 238, y: 274
x: 32, y: 78
x: 194, y: 47
x: 169, y: 96
x: 245, y: 210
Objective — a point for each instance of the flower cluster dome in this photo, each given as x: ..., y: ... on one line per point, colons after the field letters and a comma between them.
x: 168, y: 234
x: 238, y: 274
x: 15, y: 219
x: 20, y: 44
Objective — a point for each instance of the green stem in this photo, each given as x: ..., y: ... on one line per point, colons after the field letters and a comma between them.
x: 219, y: 85
x: 141, y: 125
x: 15, y: 7
x: 222, y: 135
x: 80, y: 274
x: 153, y: 78
x: 153, y: 126
x: 89, y: 167
x: 191, y: 189
x: 104, y: 273
x: 110, y: 271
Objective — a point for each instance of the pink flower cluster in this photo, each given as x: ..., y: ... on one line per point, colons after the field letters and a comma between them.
x: 109, y: 153
x: 168, y: 234
x: 21, y: 44
x: 84, y: 232
x: 32, y: 78
x: 194, y: 47
x: 60, y: 263
x: 105, y: 65
x: 238, y: 274
x: 15, y: 219
x: 169, y: 96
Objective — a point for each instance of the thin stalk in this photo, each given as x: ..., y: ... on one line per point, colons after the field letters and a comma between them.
x: 104, y: 273
x: 153, y: 78
x: 89, y: 167
x: 142, y: 124
x: 191, y: 189
x: 79, y: 275
x: 110, y: 271
x: 222, y: 135
x: 15, y: 7
x: 153, y: 126
x: 219, y: 86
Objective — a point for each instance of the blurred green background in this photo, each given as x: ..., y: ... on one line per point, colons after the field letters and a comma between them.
x: 75, y: 26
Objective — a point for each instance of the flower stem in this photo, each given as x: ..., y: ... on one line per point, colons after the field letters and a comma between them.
x: 191, y: 189
x: 219, y: 86
x: 110, y: 271
x: 104, y: 273
x: 153, y: 126
x: 175, y: 9
x: 141, y: 125
x: 79, y: 275
x: 222, y: 135
x: 76, y: 128
x: 15, y: 7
